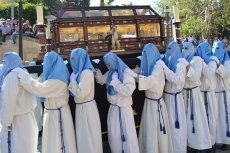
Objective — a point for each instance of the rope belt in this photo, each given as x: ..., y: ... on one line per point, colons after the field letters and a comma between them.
x: 85, y: 102
x: 192, y: 106
x: 9, y: 139
x: 162, y: 128
x: 226, y: 112
x: 61, y: 127
x: 177, y: 124
x: 122, y: 130
x: 206, y: 103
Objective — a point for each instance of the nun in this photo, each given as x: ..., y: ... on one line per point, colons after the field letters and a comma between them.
x: 19, y: 131
x: 120, y: 85
x: 154, y: 133
x: 87, y: 121
x: 223, y: 94
x: 197, y: 122
x: 58, y: 130
x: 175, y: 72
x: 208, y: 87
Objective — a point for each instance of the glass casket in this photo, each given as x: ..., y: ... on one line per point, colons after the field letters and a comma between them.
x: 90, y: 27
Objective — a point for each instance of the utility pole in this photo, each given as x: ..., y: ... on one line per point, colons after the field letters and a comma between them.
x: 20, y: 30
x: 176, y: 24
x: 167, y: 19
x: 12, y: 9
x: 208, y: 16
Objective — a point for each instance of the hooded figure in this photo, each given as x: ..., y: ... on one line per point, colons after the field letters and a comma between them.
x: 58, y: 130
x: 154, y: 133
x: 175, y: 72
x: 87, y: 121
x: 173, y: 53
x: 204, y: 50
x: 208, y: 87
x: 198, y: 130
x: 120, y: 85
x: 19, y: 127
x: 222, y: 93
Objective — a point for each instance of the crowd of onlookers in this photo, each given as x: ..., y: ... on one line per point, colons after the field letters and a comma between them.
x: 196, y: 40
x: 11, y: 28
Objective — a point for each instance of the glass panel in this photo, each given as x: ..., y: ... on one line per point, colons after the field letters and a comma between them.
x: 126, y: 31
x: 72, y: 14
x: 144, y: 12
x: 90, y: 13
x: 71, y: 34
x: 149, y: 29
x: 98, y: 32
x: 123, y: 12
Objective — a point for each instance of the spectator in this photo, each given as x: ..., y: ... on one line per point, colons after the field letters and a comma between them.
x: 26, y: 31
x: 2, y: 19
x: 14, y: 30
x: 28, y: 23
x: 215, y: 38
x: 14, y: 25
x: 225, y: 41
x: 6, y: 30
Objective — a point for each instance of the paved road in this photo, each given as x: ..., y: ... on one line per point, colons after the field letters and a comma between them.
x: 107, y: 150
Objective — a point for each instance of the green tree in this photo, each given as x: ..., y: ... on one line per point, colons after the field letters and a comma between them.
x: 193, y: 15
x: 102, y: 2
x: 109, y: 3
x: 221, y: 18
x: 55, y: 5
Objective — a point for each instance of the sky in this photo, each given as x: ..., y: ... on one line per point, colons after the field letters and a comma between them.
x: 120, y: 2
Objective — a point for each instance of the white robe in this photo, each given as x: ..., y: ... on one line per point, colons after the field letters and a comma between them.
x: 56, y: 104
x: 198, y: 129
x: 120, y: 116
x: 151, y: 138
x: 17, y: 112
x: 38, y: 110
x: 208, y: 85
x: 223, y: 84
x: 174, y: 84
x: 87, y: 121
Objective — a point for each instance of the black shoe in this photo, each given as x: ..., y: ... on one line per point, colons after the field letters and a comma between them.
x: 225, y: 147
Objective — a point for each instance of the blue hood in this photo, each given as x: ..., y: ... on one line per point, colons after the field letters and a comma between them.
x: 114, y: 64
x: 79, y: 60
x: 173, y: 53
x: 11, y: 60
x: 54, y: 67
x: 150, y: 55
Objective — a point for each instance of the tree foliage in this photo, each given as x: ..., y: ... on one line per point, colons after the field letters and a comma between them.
x: 55, y: 5
x: 28, y: 12
x: 192, y: 15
